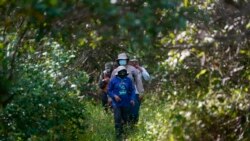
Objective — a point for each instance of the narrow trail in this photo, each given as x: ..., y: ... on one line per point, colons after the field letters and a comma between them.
x: 101, y: 126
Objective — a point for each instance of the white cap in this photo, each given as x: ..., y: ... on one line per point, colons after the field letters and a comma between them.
x: 120, y: 68
x: 134, y: 59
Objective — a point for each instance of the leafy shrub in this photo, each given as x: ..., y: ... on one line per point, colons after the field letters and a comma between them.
x: 46, y: 104
x: 173, y: 118
x: 43, y: 116
x: 199, y: 103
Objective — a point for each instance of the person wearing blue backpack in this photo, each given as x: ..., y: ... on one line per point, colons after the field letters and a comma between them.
x: 122, y: 92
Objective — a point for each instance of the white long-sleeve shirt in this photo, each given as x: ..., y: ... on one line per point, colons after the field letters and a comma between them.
x: 145, y: 74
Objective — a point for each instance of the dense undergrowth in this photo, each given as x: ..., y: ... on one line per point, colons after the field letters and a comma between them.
x: 197, y: 53
x: 164, y: 118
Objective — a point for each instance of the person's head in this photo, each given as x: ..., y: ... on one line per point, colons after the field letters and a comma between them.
x: 134, y: 62
x: 121, y: 72
x: 122, y: 59
x: 108, y: 67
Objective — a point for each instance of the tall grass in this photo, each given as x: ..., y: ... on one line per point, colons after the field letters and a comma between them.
x: 101, y: 124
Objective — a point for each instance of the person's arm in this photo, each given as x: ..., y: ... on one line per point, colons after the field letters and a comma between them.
x: 138, y: 82
x: 113, y: 74
x: 101, y: 83
x: 145, y: 74
x: 132, y: 92
x: 111, y: 90
x: 104, y: 80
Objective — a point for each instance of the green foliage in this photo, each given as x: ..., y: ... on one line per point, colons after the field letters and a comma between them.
x: 103, y: 26
x: 176, y: 117
x: 43, y: 116
x: 204, y: 80
x: 100, y: 124
x: 199, y: 102
x: 196, y: 51
x: 46, y: 104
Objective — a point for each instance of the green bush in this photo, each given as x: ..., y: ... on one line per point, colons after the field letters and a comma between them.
x: 43, y: 116
x: 196, y: 103
x: 169, y: 117
x: 45, y: 104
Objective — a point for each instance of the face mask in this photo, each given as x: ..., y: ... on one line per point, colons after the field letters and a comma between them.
x: 123, y: 62
x: 122, y: 74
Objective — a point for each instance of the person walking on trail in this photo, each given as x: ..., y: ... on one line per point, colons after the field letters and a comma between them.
x: 122, y: 91
x: 123, y: 60
x: 142, y: 71
x: 103, y: 84
x: 142, y: 74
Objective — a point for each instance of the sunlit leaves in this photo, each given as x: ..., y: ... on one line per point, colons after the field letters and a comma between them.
x: 186, y: 2
x: 202, y: 72
x: 53, y: 2
x: 95, y: 39
x: 248, y: 26
x: 245, y: 52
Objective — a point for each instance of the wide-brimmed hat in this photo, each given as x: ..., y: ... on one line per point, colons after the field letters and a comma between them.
x: 122, y: 56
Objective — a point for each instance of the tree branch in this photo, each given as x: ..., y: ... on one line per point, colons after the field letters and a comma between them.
x: 12, y: 62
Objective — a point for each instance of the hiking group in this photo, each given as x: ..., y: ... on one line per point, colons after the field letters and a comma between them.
x: 122, y: 89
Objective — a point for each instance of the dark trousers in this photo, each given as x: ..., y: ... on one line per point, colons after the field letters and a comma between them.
x: 105, y: 101
x: 121, y: 117
x: 134, y: 116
